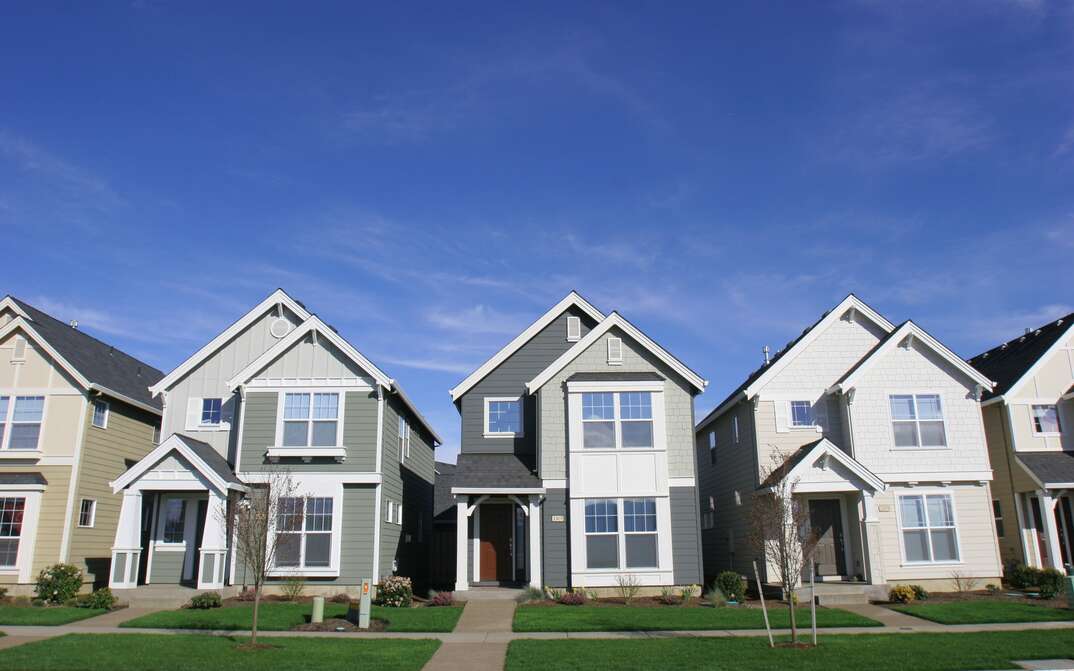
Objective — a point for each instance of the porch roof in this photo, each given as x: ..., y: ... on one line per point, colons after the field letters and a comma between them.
x: 1051, y: 470
x: 488, y: 472
x: 202, y: 456
x: 24, y: 478
x: 799, y: 463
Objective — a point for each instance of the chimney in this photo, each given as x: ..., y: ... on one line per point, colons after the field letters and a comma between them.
x: 765, y: 350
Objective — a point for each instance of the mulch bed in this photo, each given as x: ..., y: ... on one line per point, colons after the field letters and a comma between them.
x: 984, y: 595
x: 336, y: 624
x: 654, y: 602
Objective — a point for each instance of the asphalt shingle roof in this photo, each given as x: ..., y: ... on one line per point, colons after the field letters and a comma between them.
x: 1049, y: 467
x: 1007, y: 363
x: 211, y: 457
x: 494, y: 470
x: 23, y: 478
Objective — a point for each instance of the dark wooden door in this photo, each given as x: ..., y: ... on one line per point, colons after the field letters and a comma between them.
x: 1038, y: 523
x: 827, y: 523
x: 496, y: 524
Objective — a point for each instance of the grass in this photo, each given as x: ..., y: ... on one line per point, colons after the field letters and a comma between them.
x: 148, y: 652
x: 883, y: 652
x: 48, y: 617
x: 981, y: 611
x: 276, y: 616
x: 670, y: 618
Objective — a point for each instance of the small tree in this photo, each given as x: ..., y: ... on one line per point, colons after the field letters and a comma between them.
x: 253, y: 520
x: 780, y: 531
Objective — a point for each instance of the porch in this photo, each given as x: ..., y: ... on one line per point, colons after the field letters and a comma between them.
x: 1046, y: 514
x: 498, y: 539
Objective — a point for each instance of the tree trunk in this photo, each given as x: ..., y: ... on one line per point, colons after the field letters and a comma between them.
x: 794, y: 624
x: 257, y: 604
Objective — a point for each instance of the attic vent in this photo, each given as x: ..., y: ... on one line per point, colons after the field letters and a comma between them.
x: 279, y: 327
x: 574, y: 329
x: 20, y: 349
x: 615, y: 351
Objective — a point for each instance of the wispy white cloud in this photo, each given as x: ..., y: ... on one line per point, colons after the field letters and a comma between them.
x: 1066, y: 143
x: 439, y: 365
x: 62, y: 175
x: 478, y: 319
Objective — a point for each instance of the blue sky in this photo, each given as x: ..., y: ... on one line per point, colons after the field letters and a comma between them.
x: 429, y: 179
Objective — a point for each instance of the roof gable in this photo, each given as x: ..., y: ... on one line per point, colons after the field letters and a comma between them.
x: 797, y: 467
x: 208, y: 463
x: 1016, y: 361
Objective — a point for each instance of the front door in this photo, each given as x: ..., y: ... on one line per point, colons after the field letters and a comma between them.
x: 827, y: 522
x: 1038, y: 525
x: 497, y: 522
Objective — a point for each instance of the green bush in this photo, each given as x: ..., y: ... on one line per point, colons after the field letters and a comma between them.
x: 58, y: 583
x: 715, y: 597
x: 3, y: 593
x: 1020, y: 576
x: 205, y: 601
x: 901, y: 594
x: 1050, y: 583
x: 395, y: 591
x: 100, y: 599
x: 920, y: 593
x: 530, y: 594
x: 732, y: 585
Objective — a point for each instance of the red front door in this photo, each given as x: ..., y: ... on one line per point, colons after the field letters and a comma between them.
x: 495, y: 546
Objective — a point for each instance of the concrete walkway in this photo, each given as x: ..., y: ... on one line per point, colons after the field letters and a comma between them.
x: 887, y: 616
x: 480, y: 619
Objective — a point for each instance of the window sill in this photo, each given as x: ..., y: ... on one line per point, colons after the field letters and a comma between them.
x: 920, y: 449
x: 306, y: 573
x: 812, y: 427
x: 1054, y: 434
x: 20, y: 454
x: 503, y: 435
x: 274, y: 454
x: 921, y: 564
x: 170, y: 547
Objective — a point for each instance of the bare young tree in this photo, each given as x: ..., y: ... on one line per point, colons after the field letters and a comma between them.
x: 780, y: 530
x: 253, y: 521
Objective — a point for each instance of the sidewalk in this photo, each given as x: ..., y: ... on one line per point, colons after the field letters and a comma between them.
x: 480, y: 620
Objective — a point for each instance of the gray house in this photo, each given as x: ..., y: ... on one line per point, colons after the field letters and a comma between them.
x: 577, y: 466
x: 280, y: 390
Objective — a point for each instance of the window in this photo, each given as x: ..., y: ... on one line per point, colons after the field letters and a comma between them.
x: 404, y: 438
x: 20, y: 349
x: 602, y: 533
x: 734, y: 428
x: 389, y: 513
x: 87, y: 513
x: 399, y: 514
x: 23, y: 421
x: 210, y: 411
x: 1046, y: 419
x: 708, y: 515
x: 615, y: 351
x: 100, y: 414
x: 156, y: 435
x: 11, y: 512
x: 304, y: 532
x: 503, y: 417
x: 637, y: 534
x: 802, y: 414
x: 639, y: 526
x: 613, y: 420
x: 917, y: 420
x: 928, y: 528
x: 310, y: 424
x: 4, y: 402
x: 712, y: 447
x: 997, y: 514
x: 574, y: 329
x: 175, y: 521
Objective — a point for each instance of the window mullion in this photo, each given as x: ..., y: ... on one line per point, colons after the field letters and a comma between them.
x: 617, y: 421
x: 621, y: 514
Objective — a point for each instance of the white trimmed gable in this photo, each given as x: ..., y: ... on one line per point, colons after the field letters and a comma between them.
x: 312, y: 358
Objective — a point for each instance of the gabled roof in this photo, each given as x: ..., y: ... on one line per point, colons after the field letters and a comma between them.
x: 758, y: 378
x: 807, y: 455
x: 616, y: 320
x: 208, y: 462
x: 276, y: 298
x: 571, y: 299
x: 94, y: 364
x: 1015, y: 361
x: 906, y: 330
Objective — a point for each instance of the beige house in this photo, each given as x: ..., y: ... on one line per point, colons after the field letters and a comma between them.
x: 73, y: 412
x: 1028, y: 419
x: 879, y: 428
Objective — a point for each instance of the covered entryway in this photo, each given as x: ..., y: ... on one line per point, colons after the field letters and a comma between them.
x: 496, y: 542
x: 826, y: 520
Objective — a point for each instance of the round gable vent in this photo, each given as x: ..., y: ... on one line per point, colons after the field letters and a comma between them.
x: 279, y: 327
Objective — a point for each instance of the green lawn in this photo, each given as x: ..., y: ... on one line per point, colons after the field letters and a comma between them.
x: 276, y: 616
x: 147, y: 652
x: 876, y: 652
x: 980, y: 611
x: 30, y: 615
x: 670, y: 618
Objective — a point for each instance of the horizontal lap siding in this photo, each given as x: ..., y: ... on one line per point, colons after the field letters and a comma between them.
x: 391, y: 490
x: 684, y: 536
x: 556, y: 539
x: 167, y: 568
x: 359, y: 522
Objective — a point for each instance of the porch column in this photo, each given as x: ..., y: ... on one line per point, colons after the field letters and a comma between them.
x: 535, y: 541
x: 462, y: 537
x: 870, y: 538
x: 1051, y: 531
x: 1026, y: 532
x: 127, y: 548
x: 213, y: 555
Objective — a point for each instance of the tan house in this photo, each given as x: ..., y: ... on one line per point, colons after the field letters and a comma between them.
x: 74, y: 411
x: 1028, y: 419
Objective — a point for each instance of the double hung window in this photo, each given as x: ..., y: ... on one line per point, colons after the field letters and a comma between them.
x: 928, y: 528
x: 310, y: 420
x: 917, y: 420
x: 12, y: 509
x: 621, y: 533
x: 304, y: 532
x: 617, y: 420
x: 20, y: 421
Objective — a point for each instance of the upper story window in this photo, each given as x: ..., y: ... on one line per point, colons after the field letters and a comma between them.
x: 211, y: 410
x: 928, y: 528
x: 156, y: 434
x: 802, y: 414
x: 917, y: 420
x: 1046, y: 419
x: 20, y: 421
x: 19, y: 353
x: 712, y: 447
x: 574, y: 329
x: 87, y: 513
x: 310, y: 420
x: 613, y: 420
x: 100, y: 414
x: 304, y: 532
x: 404, y: 439
x: 734, y: 428
x: 503, y: 417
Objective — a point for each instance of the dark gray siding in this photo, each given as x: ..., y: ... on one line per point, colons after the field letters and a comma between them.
x: 508, y: 379
x: 359, y: 516
x: 555, y: 552
x: 684, y: 536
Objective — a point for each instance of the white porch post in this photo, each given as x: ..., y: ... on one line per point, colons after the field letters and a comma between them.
x: 213, y: 555
x: 1051, y: 531
x: 462, y: 538
x: 127, y: 549
x: 535, y: 541
x: 1026, y: 532
x: 870, y: 538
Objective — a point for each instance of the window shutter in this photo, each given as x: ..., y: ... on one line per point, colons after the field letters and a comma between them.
x: 615, y: 350
x: 193, y: 413
x: 783, y: 416
x: 574, y: 329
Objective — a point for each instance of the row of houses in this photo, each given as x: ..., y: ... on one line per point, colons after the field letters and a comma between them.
x: 581, y: 461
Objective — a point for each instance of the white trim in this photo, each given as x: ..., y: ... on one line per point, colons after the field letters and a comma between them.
x: 8, y: 303
x: 306, y: 453
x: 1059, y: 344
x: 937, y: 476
x: 681, y: 482
x: 572, y: 299
x: 828, y: 449
x: 616, y: 320
x: 923, y: 493
x: 914, y: 395
x: 76, y: 460
x: 93, y: 513
x: 27, y: 327
x: 126, y: 399
x: 21, y: 488
x: 616, y: 385
x: 497, y: 490
x: 555, y: 484
x: 107, y: 412
x: 173, y: 442
x: 574, y: 334
x: 276, y: 298
x: 521, y: 417
x: 1033, y: 420
x: 278, y: 449
x: 32, y: 494
x: 615, y: 354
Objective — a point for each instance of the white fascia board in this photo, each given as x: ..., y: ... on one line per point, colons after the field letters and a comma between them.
x: 126, y: 399
x: 615, y: 319
x: 825, y: 446
x: 906, y: 330
x: 414, y: 409
x: 8, y: 303
x: 26, y: 326
x: 312, y: 324
x: 497, y: 490
x: 938, y: 476
x: 277, y: 297
x: 1059, y: 344
x: 173, y: 442
x: 572, y: 299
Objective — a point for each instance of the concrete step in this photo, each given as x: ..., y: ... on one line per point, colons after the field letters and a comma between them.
x: 163, y: 596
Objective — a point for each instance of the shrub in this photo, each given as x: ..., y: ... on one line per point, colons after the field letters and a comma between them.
x: 100, y: 599
x: 342, y: 597
x: 628, y: 587
x: 920, y: 593
x: 530, y: 594
x: 901, y: 594
x: 992, y: 588
x: 1050, y: 583
x: 715, y: 596
x: 58, y: 583
x: 292, y: 587
x: 732, y: 585
x: 553, y: 593
x: 668, y: 596
x: 205, y: 601
x: 963, y: 583
x: 442, y: 599
x: 246, y: 594
x: 572, y: 599
x: 1020, y: 576
x: 687, y: 593
x: 591, y: 595
x: 395, y: 591
x: 3, y: 593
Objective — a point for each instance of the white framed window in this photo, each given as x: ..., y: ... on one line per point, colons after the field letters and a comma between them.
x: 917, y: 420
x: 100, y: 414
x: 929, y: 530
x: 615, y: 351
x: 19, y: 353
x: 997, y: 515
x: 20, y: 421
x: 211, y: 411
x: 734, y: 428
x: 304, y: 532
x: 1046, y: 420
x: 174, y: 521
x: 802, y: 415
x: 503, y: 417
x: 12, y: 511
x: 617, y: 420
x: 574, y: 329
x: 602, y: 533
x: 207, y: 414
x: 389, y: 510
x: 708, y: 514
x: 621, y: 533
x: 399, y: 514
x: 310, y: 419
x: 87, y: 513
x: 404, y: 439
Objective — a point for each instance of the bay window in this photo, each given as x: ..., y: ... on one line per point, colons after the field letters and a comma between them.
x: 617, y: 420
x: 929, y: 534
x: 917, y: 420
x: 12, y: 510
x: 310, y: 420
x: 304, y: 532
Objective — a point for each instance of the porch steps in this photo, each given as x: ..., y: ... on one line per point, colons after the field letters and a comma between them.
x: 843, y: 593
x: 163, y: 596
